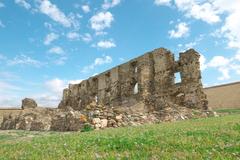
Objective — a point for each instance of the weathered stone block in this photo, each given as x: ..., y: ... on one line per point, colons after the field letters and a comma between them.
x: 28, y: 103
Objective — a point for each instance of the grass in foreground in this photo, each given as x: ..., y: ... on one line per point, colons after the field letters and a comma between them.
x: 228, y: 111
x: 211, y: 138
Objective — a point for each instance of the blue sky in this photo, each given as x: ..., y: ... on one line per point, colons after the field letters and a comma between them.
x: 46, y: 44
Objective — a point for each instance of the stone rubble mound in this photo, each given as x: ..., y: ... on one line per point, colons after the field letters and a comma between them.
x: 42, y: 119
x: 96, y: 116
x: 112, y: 117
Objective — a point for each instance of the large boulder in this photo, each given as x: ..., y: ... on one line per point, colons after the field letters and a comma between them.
x: 28, y: 103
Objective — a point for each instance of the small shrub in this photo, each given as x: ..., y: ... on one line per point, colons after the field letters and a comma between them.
x: 236, y: 127
x: 87, y: 127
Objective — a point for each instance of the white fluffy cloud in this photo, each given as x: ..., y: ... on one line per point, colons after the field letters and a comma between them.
x: 75, y: 81
x: 51, y: 10
x: 23, y: 3
x: 224, y: 66
x: 202, y: 60
x: 214, y: 11
x: 202, y: 11
x: 73, y: 36
x: 86, y: 37
x: 86, y: 8
x: 56, y: 50
x: 110, y: 3
x: 101, y: 33
x: 106, y: 44
x: 162, y: 2
x: 218, y: 61
x: 190, y: 45
x: 237, y: 56
x: 97, y: 62
x: 225, y: 73
x: 24, y: 60
x: 52, y: 96
x: 182, y: 29
x: 61, y: 60
x: 54, y: 88
x: 50, y: 38
x: 101, y: 20
x: 231, y: 29
x: 55, y: 85
x: 103, y: 60
x: 193, y: 43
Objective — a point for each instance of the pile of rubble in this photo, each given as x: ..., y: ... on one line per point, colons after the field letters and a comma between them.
x: 41, y: 119
x: 95, y: 116
x: 102, y: 117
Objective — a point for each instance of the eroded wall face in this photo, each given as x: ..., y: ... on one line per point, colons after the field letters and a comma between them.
x: 150, y: 76
x: 190, y: 91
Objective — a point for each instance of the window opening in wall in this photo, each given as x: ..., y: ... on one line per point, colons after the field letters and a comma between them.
x: 134, y: 66
x: 135, y: 89
x: 136, y: 70
x: 176, y: 56
x: 178, y: 77
x: 96, y: 99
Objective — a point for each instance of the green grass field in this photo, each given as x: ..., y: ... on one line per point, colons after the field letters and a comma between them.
x: 211, y: 138
x: 228, y: 111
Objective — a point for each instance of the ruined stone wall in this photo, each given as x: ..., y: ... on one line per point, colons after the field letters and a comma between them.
x: 143, y: 90
x: 147, y: 79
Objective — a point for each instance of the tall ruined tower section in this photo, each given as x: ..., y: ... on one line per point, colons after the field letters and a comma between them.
x: 143, y: 81
x: 190, y: 91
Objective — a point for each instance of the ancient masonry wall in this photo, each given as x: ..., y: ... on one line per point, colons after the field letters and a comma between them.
x: 148, y: 79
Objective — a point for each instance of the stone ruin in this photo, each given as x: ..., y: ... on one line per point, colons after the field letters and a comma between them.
x: 148, y: 79
x: 143, y: 90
